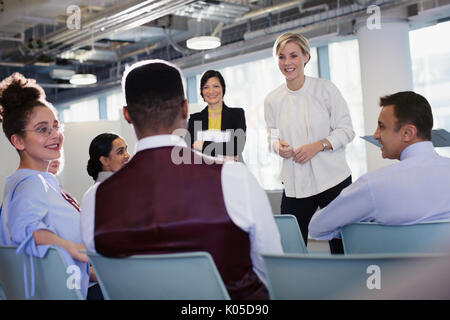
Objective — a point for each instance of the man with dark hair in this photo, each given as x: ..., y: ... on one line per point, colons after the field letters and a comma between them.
x: 410, y: 191
x: 156, y: 204
x: 410, y: 107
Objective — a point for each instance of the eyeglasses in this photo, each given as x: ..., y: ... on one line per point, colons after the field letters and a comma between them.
x: 47, y: 131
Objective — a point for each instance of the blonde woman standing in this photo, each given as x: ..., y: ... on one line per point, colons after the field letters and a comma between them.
x: 309, y: 126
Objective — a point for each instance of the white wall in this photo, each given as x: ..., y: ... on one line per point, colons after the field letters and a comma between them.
x: 78, y: 136
x: 9, y: 160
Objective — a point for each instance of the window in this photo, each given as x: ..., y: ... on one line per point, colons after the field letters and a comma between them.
x: 344, y: 60
x: 430, y: 55
x: 114, y: 104
x: 86, y: 110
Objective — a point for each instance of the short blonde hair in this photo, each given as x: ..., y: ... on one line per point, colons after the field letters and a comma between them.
x: 296, y: 38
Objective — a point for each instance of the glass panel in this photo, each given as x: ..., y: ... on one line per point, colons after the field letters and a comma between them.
x: 86, y: 110
x: 430, y: 55
x: 114, y: 104
x: 344, y: 60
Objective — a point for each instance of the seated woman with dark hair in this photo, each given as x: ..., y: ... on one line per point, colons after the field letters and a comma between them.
x: 107, y: 154
x: 217, y: 130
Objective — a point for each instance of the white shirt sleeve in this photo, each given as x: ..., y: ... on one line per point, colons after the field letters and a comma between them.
x: 273, y: 133
x: 87, y: 218
x: 354, y: 204
x: 341, y: 123
x: 249, y: 208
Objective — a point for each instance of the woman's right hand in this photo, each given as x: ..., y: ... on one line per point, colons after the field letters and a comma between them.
x: 285, y: 150
x: 46, y: 237
x: 74, y: 251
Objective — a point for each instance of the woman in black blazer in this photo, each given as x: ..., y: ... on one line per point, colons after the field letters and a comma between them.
x: 217, y: 130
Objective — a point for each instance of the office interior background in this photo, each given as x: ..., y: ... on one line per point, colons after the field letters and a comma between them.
x: 367, y: 48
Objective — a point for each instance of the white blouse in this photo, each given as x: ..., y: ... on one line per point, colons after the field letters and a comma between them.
x: 316, y: 111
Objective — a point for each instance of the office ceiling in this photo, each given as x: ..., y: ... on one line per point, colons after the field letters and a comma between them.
x: 41, y: 38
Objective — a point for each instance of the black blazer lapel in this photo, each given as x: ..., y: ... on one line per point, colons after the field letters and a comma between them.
x: 204, y: 118
x: 227, y: 119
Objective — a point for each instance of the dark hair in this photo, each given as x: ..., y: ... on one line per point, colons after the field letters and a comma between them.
x: 101, y: 145
x: 211, y: 74
x: 154, y: 94
x: 18, y: 97
x: 411, y: 108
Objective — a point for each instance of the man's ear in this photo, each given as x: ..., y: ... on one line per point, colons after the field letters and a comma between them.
x: 409, y: 132
x: 185, y: 109
x: 126, y: 115
x: 17, y: 142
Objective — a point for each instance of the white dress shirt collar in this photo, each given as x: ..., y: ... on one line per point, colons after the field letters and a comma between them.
x: 158, y: 141
x: 103, y: 175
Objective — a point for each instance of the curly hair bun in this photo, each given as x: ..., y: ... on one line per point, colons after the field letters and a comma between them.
x: 16, y: 91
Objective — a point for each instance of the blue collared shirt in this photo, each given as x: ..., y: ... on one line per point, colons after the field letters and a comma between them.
x: 33, y: 201
x: 413, y: 190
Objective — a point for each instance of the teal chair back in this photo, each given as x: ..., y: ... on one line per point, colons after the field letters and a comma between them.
x: 49, y: 272
x: 178, y: 276
x: 424, y: 237
x: 322, y: 277
x: 291, y: 237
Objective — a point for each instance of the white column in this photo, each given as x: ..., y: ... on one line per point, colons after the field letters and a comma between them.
x: 385, y: 69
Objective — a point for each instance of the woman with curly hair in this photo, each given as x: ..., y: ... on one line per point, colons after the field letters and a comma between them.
x: 35, y: 212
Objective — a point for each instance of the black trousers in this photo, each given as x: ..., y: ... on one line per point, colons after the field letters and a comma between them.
x: 95, y: 293
x: 304, y: 208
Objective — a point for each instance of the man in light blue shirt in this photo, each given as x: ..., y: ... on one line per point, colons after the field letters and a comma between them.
x: 413, y: 190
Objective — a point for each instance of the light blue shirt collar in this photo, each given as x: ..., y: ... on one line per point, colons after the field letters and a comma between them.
x: 24, y: 172
x: 418, y: 149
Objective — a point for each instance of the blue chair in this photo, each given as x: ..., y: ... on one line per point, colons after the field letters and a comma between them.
x: 178, y: 276
x: 291, y: 237
x: 306, y: 277
x: 49, y: 272
x: 424, y: 237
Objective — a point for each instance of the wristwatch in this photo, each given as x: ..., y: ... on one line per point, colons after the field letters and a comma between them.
x: 324, y: 144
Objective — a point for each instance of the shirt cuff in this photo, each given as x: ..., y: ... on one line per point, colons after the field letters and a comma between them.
x: 335, y: 143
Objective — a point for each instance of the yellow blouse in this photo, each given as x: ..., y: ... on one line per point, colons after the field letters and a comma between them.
x: 215, y: 123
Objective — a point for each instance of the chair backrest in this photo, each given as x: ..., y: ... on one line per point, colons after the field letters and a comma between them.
x: 305, y: 277
x: 50, y: 273
x: 424, y: 237
x: 178, y: 276
x: 291, y: 237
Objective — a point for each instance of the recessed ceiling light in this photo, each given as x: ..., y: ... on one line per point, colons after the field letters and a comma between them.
x: 203, y: 43
x: 83, y: 79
